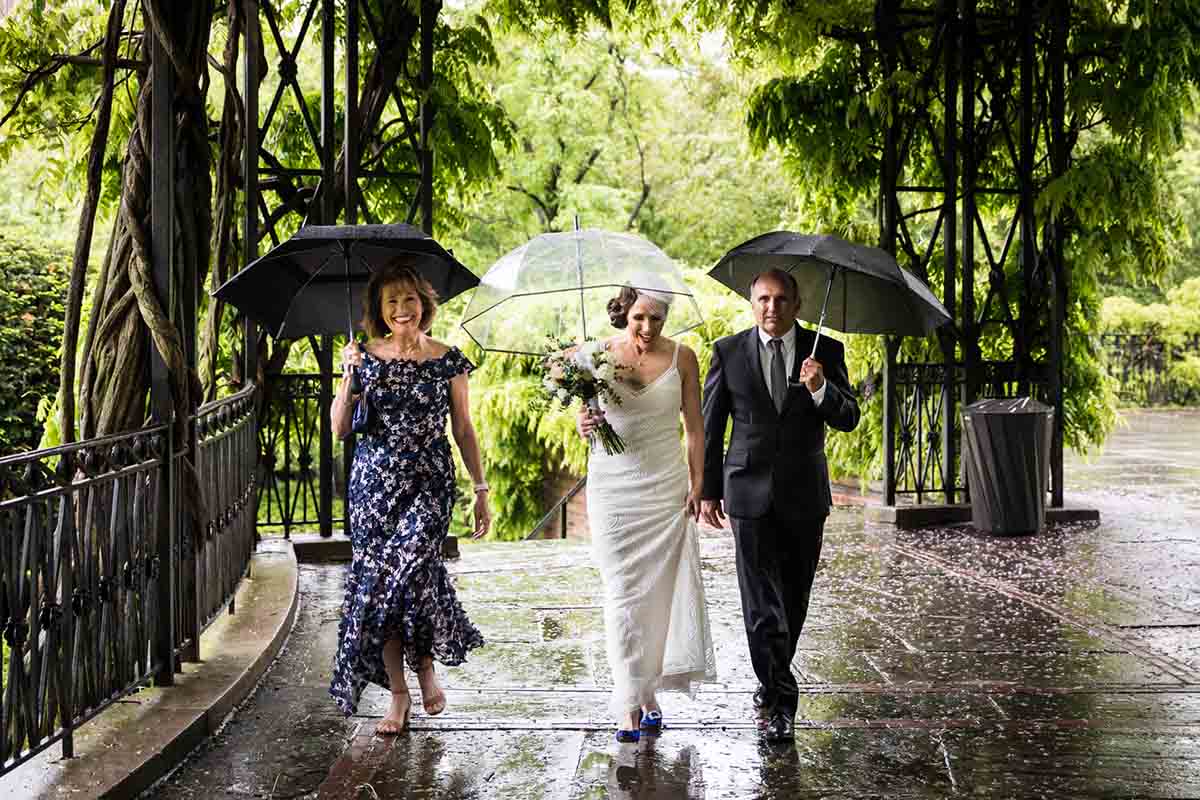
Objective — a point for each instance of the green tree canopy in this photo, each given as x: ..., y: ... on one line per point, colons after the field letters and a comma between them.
x: 829, y: 89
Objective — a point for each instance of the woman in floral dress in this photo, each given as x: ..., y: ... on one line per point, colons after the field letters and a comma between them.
x: 400, y: 605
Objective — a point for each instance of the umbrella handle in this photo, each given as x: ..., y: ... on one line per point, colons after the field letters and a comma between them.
x: 821, y: 322
x: 356, y: 386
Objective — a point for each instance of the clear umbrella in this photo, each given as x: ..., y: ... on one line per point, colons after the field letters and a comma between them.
x: 557, y: 286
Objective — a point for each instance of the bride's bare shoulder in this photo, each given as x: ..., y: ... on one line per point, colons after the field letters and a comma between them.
x: 688, y: 361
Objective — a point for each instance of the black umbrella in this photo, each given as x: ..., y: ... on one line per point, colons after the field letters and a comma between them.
x: 314, y: 282
x: 864, y: 289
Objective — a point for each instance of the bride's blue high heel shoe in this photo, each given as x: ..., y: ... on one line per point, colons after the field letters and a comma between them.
x: 651, y: 724
x: 630, y: 737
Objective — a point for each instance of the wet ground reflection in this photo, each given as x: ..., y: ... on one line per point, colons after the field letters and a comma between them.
x: 936, y: 663
x: 644, y: 771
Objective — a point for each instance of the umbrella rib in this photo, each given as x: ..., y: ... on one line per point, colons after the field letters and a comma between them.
x: 579, y: 275
x: 471, y: 336
x: 300, y: 291
x: 509, y: 352
x: 573, y: 289
x: 484, y: 311
x: 845, y: 284
x: 284, y: 260
x: 569, y: 290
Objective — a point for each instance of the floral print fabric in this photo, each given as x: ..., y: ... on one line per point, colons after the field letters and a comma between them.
x: 399, y: 498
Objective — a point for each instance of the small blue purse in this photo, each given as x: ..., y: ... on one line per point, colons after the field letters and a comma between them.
x: 364, y: 413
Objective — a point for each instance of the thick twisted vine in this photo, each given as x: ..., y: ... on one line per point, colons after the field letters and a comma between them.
x: 87, y: 221
x: 225, y: 229
x: 128, y: 314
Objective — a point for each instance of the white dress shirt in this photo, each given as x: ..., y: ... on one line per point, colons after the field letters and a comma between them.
x: 789, y: 355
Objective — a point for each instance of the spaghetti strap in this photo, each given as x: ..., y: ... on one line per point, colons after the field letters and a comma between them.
x: 675, y: 356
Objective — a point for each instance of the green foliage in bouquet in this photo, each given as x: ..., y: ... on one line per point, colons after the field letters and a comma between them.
x: 585, y: 372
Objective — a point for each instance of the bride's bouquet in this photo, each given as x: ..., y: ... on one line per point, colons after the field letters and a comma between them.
x: 585, y: 372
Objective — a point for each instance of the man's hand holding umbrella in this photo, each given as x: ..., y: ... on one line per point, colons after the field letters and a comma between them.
x: 812, y: 374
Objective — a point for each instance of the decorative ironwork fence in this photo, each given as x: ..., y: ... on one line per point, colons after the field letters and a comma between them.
x: 227, y: 464
x: 1142, y: 363
x: 290, y: 450
x: 103, y: 586
x: 80, y: 564
x: 926, y: 462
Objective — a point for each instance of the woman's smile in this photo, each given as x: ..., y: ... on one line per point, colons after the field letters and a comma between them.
x: 401, y: 308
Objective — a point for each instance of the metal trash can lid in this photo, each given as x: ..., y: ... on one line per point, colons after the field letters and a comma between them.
x: 1010, y: 405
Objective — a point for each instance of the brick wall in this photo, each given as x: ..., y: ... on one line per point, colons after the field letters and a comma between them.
x: 554, y: 488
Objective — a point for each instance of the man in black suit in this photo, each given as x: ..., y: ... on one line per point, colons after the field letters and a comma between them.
x: 773, y: 482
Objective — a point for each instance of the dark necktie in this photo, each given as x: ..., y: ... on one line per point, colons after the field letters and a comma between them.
x: 778, y: 375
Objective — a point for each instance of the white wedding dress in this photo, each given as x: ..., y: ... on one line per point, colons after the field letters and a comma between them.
x: 647, y: 549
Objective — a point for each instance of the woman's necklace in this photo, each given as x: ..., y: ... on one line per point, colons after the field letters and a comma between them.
x: 639, y: 356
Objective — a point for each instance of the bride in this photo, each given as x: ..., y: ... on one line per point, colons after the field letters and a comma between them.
x: 642, y: 510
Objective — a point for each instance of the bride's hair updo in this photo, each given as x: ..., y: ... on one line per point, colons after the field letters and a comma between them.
x: 618, y: 307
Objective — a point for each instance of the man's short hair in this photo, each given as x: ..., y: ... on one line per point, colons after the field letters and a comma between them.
x: 783, y: 276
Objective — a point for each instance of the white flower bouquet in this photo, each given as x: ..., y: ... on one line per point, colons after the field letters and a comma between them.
x: 585, y: 372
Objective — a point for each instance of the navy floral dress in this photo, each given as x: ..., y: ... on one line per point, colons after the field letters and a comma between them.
x: 400, y: 495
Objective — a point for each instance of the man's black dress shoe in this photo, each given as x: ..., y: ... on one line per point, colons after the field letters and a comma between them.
x: 762, y: 698
x: 780, y: 728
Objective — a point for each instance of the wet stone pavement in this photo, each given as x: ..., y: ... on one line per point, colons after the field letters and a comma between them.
x: 936, y: 663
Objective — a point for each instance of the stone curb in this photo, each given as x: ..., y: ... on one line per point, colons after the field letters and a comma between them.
x: 933, y: 516
x: 210, y: 719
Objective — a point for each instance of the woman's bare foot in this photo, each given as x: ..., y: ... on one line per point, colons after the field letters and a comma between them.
x: 432, y: 696
x: 396, y: 719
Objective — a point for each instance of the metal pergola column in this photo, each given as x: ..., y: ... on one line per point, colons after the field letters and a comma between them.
x: 278, y: 197
x: 995, y: 104
x: 162, y: 253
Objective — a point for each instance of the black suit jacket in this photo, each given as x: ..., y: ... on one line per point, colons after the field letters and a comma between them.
x: 775, y: 459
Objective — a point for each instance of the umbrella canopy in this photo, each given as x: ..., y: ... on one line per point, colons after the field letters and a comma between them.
x: 858, y: 289
x: 558, y: 285
x: 314, y: 282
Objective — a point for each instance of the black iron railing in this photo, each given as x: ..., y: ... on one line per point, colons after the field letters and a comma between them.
x: 226, y: 463
x: 80, y: 562
x: 113, y: 556
x: 927, y: 465
x: 290, y: 450
x: 1142, y: 364
x: 557, y: 511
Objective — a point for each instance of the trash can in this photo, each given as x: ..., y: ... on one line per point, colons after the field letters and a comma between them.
x: 1006, y: 453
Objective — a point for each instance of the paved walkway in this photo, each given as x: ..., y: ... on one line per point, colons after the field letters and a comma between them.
x: 936, y: 663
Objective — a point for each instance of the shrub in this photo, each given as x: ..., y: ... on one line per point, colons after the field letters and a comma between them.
x: 33, y: 286
x: 1162, y: 366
